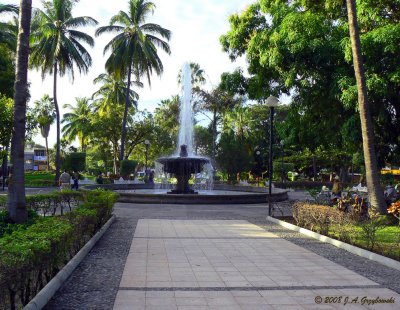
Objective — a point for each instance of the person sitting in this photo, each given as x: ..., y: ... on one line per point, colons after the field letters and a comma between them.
x: 99, y: 179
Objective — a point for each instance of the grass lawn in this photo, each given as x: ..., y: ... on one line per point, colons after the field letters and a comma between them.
x: 45, y: 179
x: 42, y: 179
x: 387, y: 240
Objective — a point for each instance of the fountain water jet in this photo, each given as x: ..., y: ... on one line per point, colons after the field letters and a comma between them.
x: 185, y: 163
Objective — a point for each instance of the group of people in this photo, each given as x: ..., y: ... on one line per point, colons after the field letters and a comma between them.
x: 65, y: 180
x: 391, y: 193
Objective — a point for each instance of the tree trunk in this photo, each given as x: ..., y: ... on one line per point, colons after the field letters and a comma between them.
x: 4, y: 167
x: 123, y: 132
x: 58, y: 159
x: 214, y: 133
x: 314, y: 166
x: 47, y: 154
x: 16, y: 203
x: 375, y: 192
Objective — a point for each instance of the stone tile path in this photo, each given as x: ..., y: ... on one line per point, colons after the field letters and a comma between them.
x: 233, y: 264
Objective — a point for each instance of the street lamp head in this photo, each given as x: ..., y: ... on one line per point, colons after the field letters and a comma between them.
x: 272, y: 102
x: 147, y: 142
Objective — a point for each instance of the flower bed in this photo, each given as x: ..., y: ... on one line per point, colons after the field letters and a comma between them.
x: 33, y: 253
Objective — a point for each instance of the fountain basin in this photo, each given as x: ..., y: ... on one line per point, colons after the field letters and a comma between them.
x: 216, y: 196
x: 182, y: 167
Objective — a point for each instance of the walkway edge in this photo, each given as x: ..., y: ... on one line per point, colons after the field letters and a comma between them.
x: 43, y: 297
x: 348, y: 247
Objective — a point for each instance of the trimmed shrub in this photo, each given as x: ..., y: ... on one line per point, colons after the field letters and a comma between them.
x: 33, y: 253
x: 75, y: 161
x: 317, y: 218
x: 127, y: 167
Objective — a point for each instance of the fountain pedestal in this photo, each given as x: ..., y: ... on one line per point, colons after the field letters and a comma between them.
x: 182, y: 167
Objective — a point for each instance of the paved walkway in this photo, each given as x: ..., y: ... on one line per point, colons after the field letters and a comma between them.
x: 231, y: 264
x: 219, y: 257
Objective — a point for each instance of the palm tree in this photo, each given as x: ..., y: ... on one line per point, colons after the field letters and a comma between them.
x: 57, y: 48
x: 238, y: 120
x: 113, y: 91
x: 9, y: 30
x: 77, y: 121
x: 45, y: 115
x: 134, y: 48
x: 197, y: 75
x: 375, y: 193
x: 16, y: 203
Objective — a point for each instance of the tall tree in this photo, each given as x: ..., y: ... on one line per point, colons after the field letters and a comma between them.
x: 45, y: 115
x: 16, y: 203
x: 375, y: 193
x: 197, y: 75
x: 134, y: 48
x: 57, y: 48
x: 112, y: 91
x: 78, y: 121
x: 217, y: 102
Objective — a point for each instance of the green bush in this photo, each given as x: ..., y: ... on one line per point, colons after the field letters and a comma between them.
x: 6, y: 225
x: 74, y: 161
x: 31, y: 254
x: 127, y: 167
x: 281, y: 170
x: 317, y: 218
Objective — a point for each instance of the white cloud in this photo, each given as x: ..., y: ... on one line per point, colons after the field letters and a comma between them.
x: 196, y: 26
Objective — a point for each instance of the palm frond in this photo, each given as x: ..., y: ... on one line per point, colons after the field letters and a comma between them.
x: 110, y: 28
x: 121, y: 18
x: 83, y: 21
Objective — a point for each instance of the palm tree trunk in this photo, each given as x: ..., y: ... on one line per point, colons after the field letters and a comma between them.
x: 58, y: 160
x: 375, y: 192
x: 123, y: 133
x: 47, y: 154
x: 16, y: 189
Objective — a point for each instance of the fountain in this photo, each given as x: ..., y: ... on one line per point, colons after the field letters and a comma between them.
x: 185, y: 164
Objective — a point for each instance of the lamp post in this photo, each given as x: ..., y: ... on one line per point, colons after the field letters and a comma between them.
x: 258, y: 156
x: 147, y: 143
x: 283, y: 155
x: 271, y: 102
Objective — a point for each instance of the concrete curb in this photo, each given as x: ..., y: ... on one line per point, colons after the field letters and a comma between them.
x: 43, y: 297
x: 348, y: 247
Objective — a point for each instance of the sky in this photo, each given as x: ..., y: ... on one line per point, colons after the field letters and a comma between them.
x: 196, y: 26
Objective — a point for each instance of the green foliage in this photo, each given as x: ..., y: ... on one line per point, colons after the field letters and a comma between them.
x: 6, y: 224
x: 31, y: 254
x: 7, y: 72
x: 233, y: 156
x: 302, y: 48
x: 281, y: 170
x: 6, y: 116
x: 74, y: 161
x: 127, y: 167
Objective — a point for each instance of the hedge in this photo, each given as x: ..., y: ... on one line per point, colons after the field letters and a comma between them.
x: 49, y: 203
x: 127, y: 167
x: 31, y: 255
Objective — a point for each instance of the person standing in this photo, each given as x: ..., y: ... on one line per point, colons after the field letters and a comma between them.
x: 75, y: 177
x: 65, y: 180
x: 337, y: 188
